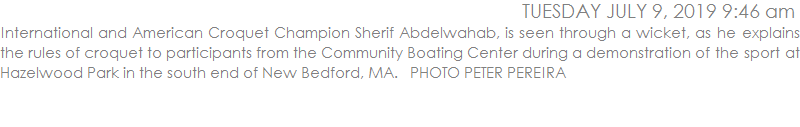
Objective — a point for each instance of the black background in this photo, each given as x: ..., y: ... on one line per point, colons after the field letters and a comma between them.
x: 590, y: 82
